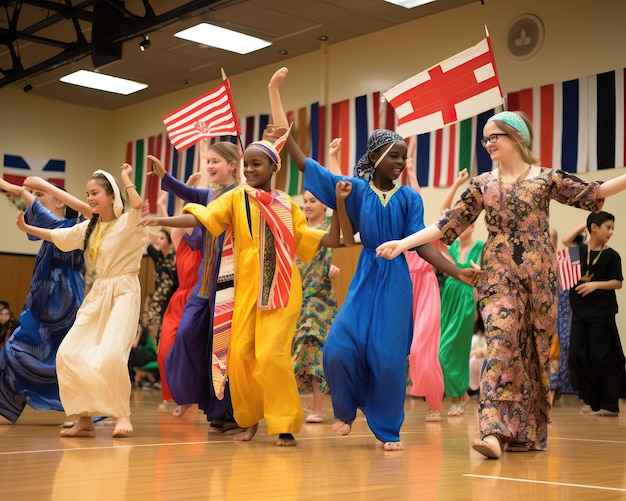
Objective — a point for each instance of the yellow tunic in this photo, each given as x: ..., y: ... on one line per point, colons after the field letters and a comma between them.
x: 260, y: 370
x: 92, y: 361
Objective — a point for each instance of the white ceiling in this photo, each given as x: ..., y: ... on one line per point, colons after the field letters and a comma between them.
x: 294, y: 27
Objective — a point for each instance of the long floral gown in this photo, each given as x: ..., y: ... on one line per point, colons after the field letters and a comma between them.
x: 517, y: 294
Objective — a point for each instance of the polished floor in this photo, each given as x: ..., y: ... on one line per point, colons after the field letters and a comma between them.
x: 169, y: 458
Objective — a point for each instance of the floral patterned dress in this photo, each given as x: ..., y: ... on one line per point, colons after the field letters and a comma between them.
x: 319, y: 307
x: 517, y: 294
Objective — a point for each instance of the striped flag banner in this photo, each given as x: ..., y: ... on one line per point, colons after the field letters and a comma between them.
x: 568, y: 260
x: 210, y: 115
x: 17, y: 168
x: 579, y: 125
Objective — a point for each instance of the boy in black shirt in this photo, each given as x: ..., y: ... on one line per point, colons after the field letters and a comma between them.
x: 596, y: 358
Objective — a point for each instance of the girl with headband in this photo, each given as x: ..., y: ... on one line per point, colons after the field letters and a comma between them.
x: 92, y: 361
x: 364, y: 357
x: 269, y: 230
x: 517, y: 291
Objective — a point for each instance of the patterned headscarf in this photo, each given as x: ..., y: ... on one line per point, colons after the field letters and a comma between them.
x: 514, y: 120
x: 365, y: 168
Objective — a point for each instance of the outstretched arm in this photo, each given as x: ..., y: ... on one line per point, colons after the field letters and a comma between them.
x: 184, y: 221
x: 17, y: 191
x: 342, y: 190
x: 42, y: 233
x: 393, y: 248
x: 279, y: 116
x: 612, y: 186
x: 439, y: 261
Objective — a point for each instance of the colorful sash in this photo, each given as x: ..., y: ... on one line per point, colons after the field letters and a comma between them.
x: 276, y: 211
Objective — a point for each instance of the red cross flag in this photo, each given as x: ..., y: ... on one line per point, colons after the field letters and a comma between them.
x: 458, y: 88
x: 210, y: 115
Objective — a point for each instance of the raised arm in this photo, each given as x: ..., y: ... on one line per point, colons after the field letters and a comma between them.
x: 38, y: 183
x: 411, y: 174
x: 569, y: 240
x: 449, y: 198
x: 342, y: 190
x: 17, y: 191
x: 135, y: 200
x: 279, y: 117
x: 612, y: 186
x: 334, y: 156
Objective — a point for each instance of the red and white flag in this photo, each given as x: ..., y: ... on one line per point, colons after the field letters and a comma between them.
x: 210, y: 115
x: 458, y: 88
x: 569, y: 267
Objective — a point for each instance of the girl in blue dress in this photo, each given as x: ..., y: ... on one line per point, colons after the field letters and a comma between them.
x: 365, y: 354
x: 27, y: 360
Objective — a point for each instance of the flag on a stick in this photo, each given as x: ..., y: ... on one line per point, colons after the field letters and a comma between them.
x: 455, y: 89
x: 210, y: 115
x: 569, y: 267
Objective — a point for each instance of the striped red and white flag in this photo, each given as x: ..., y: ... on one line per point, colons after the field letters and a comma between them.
x: 210, y: 115
x: 460, y: 87
x: 569, y: 267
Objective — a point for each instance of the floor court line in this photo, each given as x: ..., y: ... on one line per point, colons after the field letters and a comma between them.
x: 562, y: 484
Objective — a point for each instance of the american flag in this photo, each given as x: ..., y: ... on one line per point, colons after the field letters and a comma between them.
x: 210, y: 115
x: 569, y: 267
x: 460, y: 87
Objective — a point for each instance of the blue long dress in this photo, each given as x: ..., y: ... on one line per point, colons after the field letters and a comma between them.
x: 365, y: 354
x: 188, y: 363
x: 28, y: 358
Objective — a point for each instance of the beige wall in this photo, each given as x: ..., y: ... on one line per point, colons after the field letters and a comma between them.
x: 581, y: 38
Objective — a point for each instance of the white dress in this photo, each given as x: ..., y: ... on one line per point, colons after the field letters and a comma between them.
x: 92, y: 359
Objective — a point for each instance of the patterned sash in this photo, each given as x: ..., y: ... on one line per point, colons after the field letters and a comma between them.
x: 276, y: 211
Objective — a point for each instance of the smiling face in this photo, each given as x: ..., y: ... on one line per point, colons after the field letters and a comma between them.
x: 258, y: 169
x: 221, y: 170
x: 100, y: 198
x: 391, y: 166
x: 314, y: 210
x: 504, y: 148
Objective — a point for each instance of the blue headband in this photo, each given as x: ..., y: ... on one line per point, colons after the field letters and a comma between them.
x: 515, y: 121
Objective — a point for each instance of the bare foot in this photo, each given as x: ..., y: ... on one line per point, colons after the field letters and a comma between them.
x: 342, y: 427
x: 458, y: 406
x: 233, y: 431
x: 488, y: 446
x: 393, y: 446
x: 123, y: 427
x: 83, y: 428
x: 433, y: 416
x: 246, y: 434
x: 286, y: 440
x: 180, y: 410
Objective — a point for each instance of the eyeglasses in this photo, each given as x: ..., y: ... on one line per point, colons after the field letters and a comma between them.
x: 492, y: 138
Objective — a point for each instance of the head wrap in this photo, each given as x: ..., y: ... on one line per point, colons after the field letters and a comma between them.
x: 118, y: 204
x: 364, y: 168
x: 274, y: 138
x: 514, y: 120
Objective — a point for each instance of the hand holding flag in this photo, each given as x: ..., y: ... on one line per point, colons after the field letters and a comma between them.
x: 210, y: 115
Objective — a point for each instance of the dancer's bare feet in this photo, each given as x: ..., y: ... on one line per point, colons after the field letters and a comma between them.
x: 342, y: 427
x: 393, y: 446
x: 286, y: 440
x: 488, y: 446
x: 458, y: 405
x: 180, y: 410
x: 246, y: 434
x: 123, y: 427
x: 433, y: 416
x: 83, y: 428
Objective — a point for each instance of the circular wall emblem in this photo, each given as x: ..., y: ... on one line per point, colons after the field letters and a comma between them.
x: 525, y: 36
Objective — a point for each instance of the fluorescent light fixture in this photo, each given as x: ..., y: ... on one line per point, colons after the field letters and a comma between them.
x: 214, y: 36
x: 99, y: 81
x: 409, y: 4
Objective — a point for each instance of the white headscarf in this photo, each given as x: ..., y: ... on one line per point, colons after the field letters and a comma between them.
x: 118, y: 204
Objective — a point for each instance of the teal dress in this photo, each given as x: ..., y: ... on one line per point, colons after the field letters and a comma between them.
x: 458, y: 310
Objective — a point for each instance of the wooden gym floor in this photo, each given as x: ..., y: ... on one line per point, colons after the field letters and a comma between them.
x: 169, y: 458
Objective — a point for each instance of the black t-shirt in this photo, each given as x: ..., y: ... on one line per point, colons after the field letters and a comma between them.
x: 600, y: 304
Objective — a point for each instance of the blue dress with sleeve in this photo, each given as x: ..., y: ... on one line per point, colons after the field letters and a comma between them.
x: 188, y: 363
x: 365, y: 354
x: 28, y: 359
